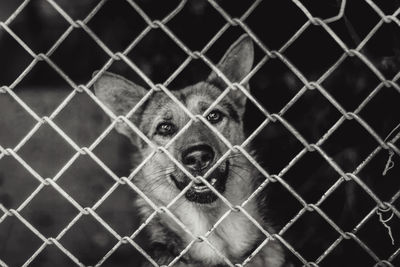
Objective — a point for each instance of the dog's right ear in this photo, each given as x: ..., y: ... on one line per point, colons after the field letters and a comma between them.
x: 119, y: 95
x: 235, y: 65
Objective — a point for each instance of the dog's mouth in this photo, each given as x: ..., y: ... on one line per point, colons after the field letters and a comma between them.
x: 201, y: 193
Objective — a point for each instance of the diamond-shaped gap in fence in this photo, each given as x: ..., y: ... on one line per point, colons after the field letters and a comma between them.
x: 157, y: 56
x: 311, y: 176
x: 382, y: 49
x: 313, y: 52
x: 351, y: 90
x: 274, y: 85
x: 46, y: 151
x: 117, y: 152
x: 352, y: 28
x: 120, y: 211
x: 12, y: 52
x: 15, y: 122
x: 349, y: 145
x: 192, y: 18
x: 348, y: 204
x: 39, y: 25
x: 16, y: 182
x: 82, y: 119
x: 276, y: 147
x: 42, y: 89
x: 145, y: 237
x: 117, y: 24
x: 310, y: 235
x: 51, y: 256
x: 78, y: 56
x: 281, y: 205
x: 88, y: 240
x: 49, y: 212
x: 348, y: 253
x: 193, y: 72
x: 382, y: 112
x: 357, y: 26
x: 18, y: 242
x: 85, y: 181
x: 264, y: 19
x: 377, y: 237
x: 376, y: 174
x: 312, y: 115
x: 132, y: 209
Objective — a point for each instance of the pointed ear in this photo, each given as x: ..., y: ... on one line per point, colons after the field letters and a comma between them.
x: 119, y: 95
x: 235, y: 65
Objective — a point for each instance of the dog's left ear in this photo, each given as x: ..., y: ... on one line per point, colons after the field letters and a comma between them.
x: 235, y: 65
x: 120, y: 96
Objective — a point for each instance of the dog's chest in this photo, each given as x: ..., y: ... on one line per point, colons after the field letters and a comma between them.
x: 232, y: 237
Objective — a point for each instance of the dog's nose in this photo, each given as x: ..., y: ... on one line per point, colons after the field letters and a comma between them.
x: 198, y: 157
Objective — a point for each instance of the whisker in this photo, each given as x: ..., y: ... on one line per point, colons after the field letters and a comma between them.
x: 240, y: 176
x: 154, y: 186
x: 160, y: 171
x: 153, y: 182
x: 242, y: 168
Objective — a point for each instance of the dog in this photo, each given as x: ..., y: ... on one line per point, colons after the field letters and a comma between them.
x: 197, y: 148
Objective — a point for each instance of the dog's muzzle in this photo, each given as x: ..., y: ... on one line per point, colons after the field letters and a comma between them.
x: 200, y: 192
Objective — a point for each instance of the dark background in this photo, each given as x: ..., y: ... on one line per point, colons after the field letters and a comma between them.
x: 117, y: 24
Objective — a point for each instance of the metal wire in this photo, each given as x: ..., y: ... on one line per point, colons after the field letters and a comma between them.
x: 343, y: 177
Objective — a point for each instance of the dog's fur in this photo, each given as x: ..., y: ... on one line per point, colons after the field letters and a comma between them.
x: 236, y: 237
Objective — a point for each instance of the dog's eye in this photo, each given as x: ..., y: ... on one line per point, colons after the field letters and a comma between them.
x: 214, y: 116
x: 165, y: 129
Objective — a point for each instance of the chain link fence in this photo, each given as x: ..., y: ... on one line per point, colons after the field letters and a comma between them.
x: 384, y: 209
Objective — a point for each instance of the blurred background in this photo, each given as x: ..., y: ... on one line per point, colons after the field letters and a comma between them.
x: 118, y: 24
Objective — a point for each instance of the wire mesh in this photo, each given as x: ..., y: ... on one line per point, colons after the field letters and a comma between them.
x: 382, y: 206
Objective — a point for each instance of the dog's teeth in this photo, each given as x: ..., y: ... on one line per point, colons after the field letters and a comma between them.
x: 201, y: 188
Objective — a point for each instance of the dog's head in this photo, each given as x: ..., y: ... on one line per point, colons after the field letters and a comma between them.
x: 198, y: 147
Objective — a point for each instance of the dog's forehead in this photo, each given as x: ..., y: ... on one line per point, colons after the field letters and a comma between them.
x: 195, y: 98
x: 199, y: 96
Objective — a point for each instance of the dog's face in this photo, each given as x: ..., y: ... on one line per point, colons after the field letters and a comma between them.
x: 197, y: 148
